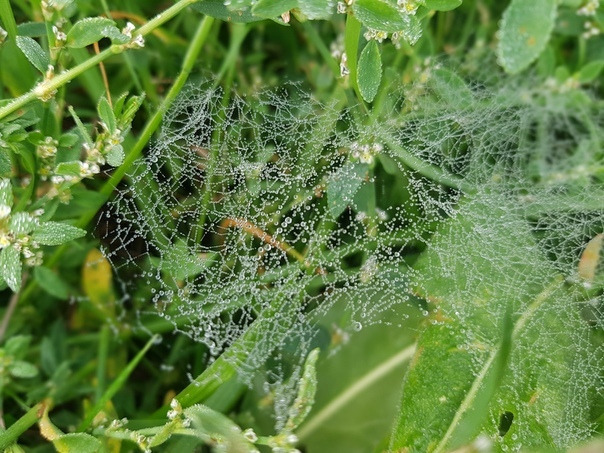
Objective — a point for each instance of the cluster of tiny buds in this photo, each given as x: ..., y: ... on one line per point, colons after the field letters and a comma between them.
x: 344, y: 6
x: 135, y: 43
x: 60, y: 35
x: 30, y: 249
x: 591, y: 30
x: 175, y: 409
x: 365, y: 153
x: 408, y: 6
x: 589, y: 9
x: 379, y: 36
x: 3, y: 35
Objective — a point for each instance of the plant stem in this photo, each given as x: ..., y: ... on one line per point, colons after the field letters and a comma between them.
x: 8, y: 18
x: 48, y: 86
x: 116, y: 385
x: 20, y: 426
x: 426, y: 169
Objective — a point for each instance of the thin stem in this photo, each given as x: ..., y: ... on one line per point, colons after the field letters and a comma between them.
x: 48, y: 86
x: 426, y: 169
x: 350, y: 393
x: 252, y: 229
x: 10, y: 309
x: 13, y: 432
x: 116, y: 385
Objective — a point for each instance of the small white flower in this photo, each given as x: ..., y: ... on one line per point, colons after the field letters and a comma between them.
x: 128, y: 29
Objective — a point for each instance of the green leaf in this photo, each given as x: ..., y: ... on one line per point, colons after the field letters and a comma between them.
x: 217, y: 9
x: 271, y: 8
x: 130, y: 109
x: 6, y: 192
x: 106, y: 115
x: 369, y: 73
x: 32, y: 29
x: 442, y: 5
x: 208, y: 424
x: 316, y: 9
x: 356, y: 409
x: 56, y: 233
x: 90, y: 30
x: 34, y: 53
x: 379, y: 15
x: 6, y: 165
x: 69, y: 169
x: 51, y: 283
x: 81, y: 128
x: 343, y: 185
x: 10, y: 267
x: 307, y: 387
x: 590, y: 71
x: 477, y: 271
x: 22, y: 223
x: 115, y: 156
x: 68, y: 140
x: 17, y: 345
x: 77, y: 443
x: 23, y: 370
x: 525, y: 30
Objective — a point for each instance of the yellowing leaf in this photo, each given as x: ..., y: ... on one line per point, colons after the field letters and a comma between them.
x: 97, y: 282
x: 590, y: 259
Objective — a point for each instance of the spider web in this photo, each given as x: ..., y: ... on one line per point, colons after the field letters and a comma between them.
x: 274, y: 210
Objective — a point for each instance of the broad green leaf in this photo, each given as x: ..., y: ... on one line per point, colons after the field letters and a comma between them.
x: 34, y: 53
x: 525, y: 31
x: 23, y: 370
x: 590, y: 71
x: 356, y: 409
x: 379, y: 15
x: 369, y: 73
x: 307, y: 387
x: 476, y: 270
x: 442, y: 5
x: 56, y: 233
x: 106, y: 115
x: 343, y: 185
x: 52, y: 283
x: 217, y: 9
x: 77, y: 443
x: 271, y: 8
x: 10, y: 267
x: 90, y: 30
